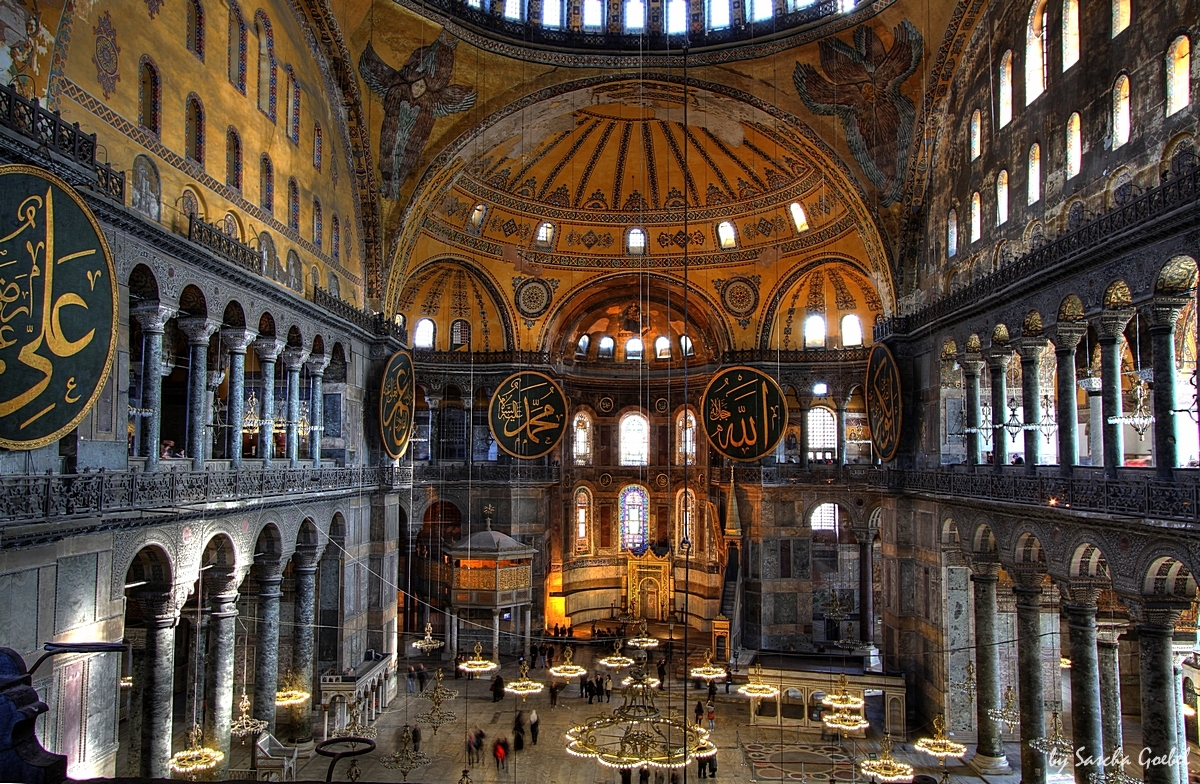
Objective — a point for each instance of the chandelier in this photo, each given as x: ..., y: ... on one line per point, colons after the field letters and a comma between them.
x: 707, y: 671
x: 1114, y: 770
x: 638, y: 734
x: 850, y: 643
x: 439, y: 693
x: 477, y: 665
x: 842, y: 699
x: 1141, y: 418
x: 355, y: 728
x: 1048, y: 422
x: 642, y: 639
x: 845, y: 720
x: 1054, y: 745
x: 616, y: 660
x: 524, y: 686
x: 568, y: 669
x: 984, y: 430
x: 195, y: 759
x: 756, y: 687
x: 1008, y: 715
x: 1064, y: 663
x: 245, y: 724
x: 290, y: 695
x: 405, y: 759
x: 250, y: 420
x: 939, y: 745
x: 968, y: 684
x: 885, y: 769
x: 436, y: 716
x: 835, y: 611
x: 428, y: 645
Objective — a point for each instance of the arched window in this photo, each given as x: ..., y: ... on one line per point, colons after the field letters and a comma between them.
x: 233, y: 159
x: 293, y: 204
x: 636, y: 242
x: 266, y: 64
x: 814, y: 331
x: 593, y: 14
x: 976, y: 135
x: 1179, y: 78
x: 295, y: 273
x: 1120, y: 118
x: 195, y: 130
x: 635, y: 439
x: 685, y: 439
x: 1074, y: 146
x: 460, y: 334
x: 952, y: 234
x: 635, y: 16
x: 825, y: 517
x: 976, y: 218
x: 686, y: 347
x: 822, y: 433
x: 581, y: 347
x: 512, y: 9
x: 852, y: 331
x: 293, y: 105
x: 581, y: 443
x: 335, y: 238
x: 1035, y: 173
x: 762, y: 10
x: 552, y: 14
x: 1002, y: 198
x: 726, y: 235
x: 662, y: 347
x: 1035, y: 53
x: 605, y: 350
x: 1006, y: 87
x: 318, y: 224
x: 266, y: 184
x: 237, y: 48
x: 635, y: 349
x: 318, y: 146
x: 195, y: 28
x: 635, y: 507
x: 719, y: 13
x: 150, y: 98
x: 1070, y: 33
x: 677, y: 14
x: 545, y: 235
x: 424, y: 334
x: 685, y: 518
x: 1120, y: 16
x: 799, y: 217
x: 583, y: 519
x: 475, y: 222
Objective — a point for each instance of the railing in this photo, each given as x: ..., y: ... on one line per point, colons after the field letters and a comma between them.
x: 219, y: 242
x: 794, y: 473
x: 488, y: 472
x: 747, y: 356
x: 26, y: 117
x: 1170, y: 195
x: 507, y: 357
x: 340, y: 307
x: 1085, y: 491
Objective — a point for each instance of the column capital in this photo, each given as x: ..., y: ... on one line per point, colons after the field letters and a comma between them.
x: 317, y: 363
x: 1109, y: 631
x: 985, y: 569
x: 268, y: 572
x: 971, y: 363
x: 1093, y: 385
x: 433, y: 398
x: 1112, y: 323
x: 305, y: 558
x: 159, y: 608
x: 153, y: 316
x: 215, y: 377
x: 1156, y: 613
x: 221, y: 584
x: 238, y: 339
x: 1164, y: 312
x: 1082, y: 594
x: 1067, y: 335
x: 1031, y: 348
x: 294, y: 357
x: 198, y: 329
x: 268, y: 349
x: 1027, y: 577
x: 999, y: 358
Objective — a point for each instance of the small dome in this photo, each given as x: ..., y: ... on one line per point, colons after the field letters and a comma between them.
x: 488, y: 541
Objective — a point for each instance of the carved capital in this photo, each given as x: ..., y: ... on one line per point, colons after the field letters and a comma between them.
x: 971, y: 363
x: 1027, y: 577
x: 1156, y: 613
x: 1108, y: 632
x: 985, y: 568
x: 198, y: 329
x: 1082, y: 593
x: 999, y: 359
x: 1093, y: 385
x: 316, y: 364
x: 268, y: 349
x: 1031, y: 349
x: 160, y: 609
x: 215, y: 377
x: 1112, y: 324
x: 1067, y: 335
x: 1164, y: 312
x: 153, y: 316
x: 294, y: 357
x: 238, y: 339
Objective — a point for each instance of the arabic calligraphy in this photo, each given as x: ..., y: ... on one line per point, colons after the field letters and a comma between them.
x: 58, y: 308
x: 397, y: 399
x: 884, y: 401
x: 528, y: 414
x: 744, y: 413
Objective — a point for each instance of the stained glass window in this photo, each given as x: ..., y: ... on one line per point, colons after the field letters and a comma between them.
x: 634, y: 513
x: 852, y: 331
x: 976, y: 217
x: 423, y: 336
x: 1035, y: 173
x: 825, y: 518
x: 822, y: 429
x: 266, y: 183
x: 634, y: 349
x: 635, y: 16
x: 662, y: 347
x: 581, y: 348
x: 799, y: 217
x: 195, y: 28
x: 318, y: 146
x: 335, y: 238
x: 293, y: 204
x: 195, y: 129
x: 552, y: 14
x: 976, y: 135
x: 726, y: 235
x: 635, y: 440
x: 233, y: 159
x: 814, y: 331
x: 593, y: 14
x: 237, y: 48
x: 952, y: 234
x: 1120, y: 16
x: 267, y: 79
x: 581, y: 444
x: 637, y: 242
x: 149, y: 97
x: 1006, y: 84
x: 318, y: 224
x: 1070, y: 41
x: 605, y: 350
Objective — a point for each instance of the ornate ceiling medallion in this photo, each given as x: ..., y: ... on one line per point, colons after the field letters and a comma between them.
x: 739, y: 297
x: 533, y: 296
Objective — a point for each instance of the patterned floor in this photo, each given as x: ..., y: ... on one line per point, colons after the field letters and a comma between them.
x: 800, y: 762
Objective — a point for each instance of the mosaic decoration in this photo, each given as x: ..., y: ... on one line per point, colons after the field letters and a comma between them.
x: 528, y: 414
x: 884, y: 401
x: 107, y: 55
x: 743, y: 413
x: 842, y: 296
x: 413, y: 97
x: 861, y: 86
x: 816, y: 293
x: 800, y: 762
x: 589, y: 240
x: 532, y: 296
x: 58, y: 320
x: 680, y: 239
x: 396, y: 403
x: 739, y: 297
x: 764, y: 227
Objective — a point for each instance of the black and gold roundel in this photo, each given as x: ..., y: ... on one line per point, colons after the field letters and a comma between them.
x: 58, y: 308
x: 743, y: 413
x: 528, y: 414
x: 396, y: 403
x: 883, y: 401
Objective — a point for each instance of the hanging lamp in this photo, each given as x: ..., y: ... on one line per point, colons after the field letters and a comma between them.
x: 477, y: 665
x: 642, y: 639
x: 1008, y: 714
x: 524, y: 686
x: 428, y: 644
x: 616, y: 660
x: 756, y: 687
x: 885, y: 769
x: 842, y: 699
x: 568, y: 669
x: 405, y: 759
x: 707, y: 671
x: 196, y: 759
x: 940, y: 745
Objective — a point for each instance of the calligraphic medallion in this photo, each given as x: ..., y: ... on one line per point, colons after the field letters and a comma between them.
x: 397, y: 400
x: 743, y: 413
x: 58, y: 308
x: 528, y: 414
x: 883, y: 401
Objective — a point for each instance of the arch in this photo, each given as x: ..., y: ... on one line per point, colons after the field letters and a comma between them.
x: 1088, y: 561
x: 234, y: 316
x: 1035, y: 52
x: 1120, y: 110
x: 1028, y: 549
x: 149, y: 96
x: 194, y: 129
x: 152, y: 566
x: 441, y: 522
x: 266, y: 325
x: 1002, y: 197
x: 983, y: 540
x: 318, y: 146
x: 1117, y: 296
x: 1179, y: 74
x: 634, y: 439
x: 233, y: 159
x: 634, y: 506
x: 425, y: 335
x: 268, y: 546
x: 237, y: 47
x: 1070, y: 33
x: 1006, y: 85
x: 581, y: 439
x: 192, y: 302
x: 295, y: 273
x: 220, y: 552
x: 437, y: 282
x: 307, y: 535
x: 295, y: 337
x: 1168, y: 576
x: 1177, y: 277
x: 1071, y: 309
x: 1074, y: 145
x: 1000, y: 335
x: 143, y: 285
x: 266, y: 64
x: 195, y: 28
x: 975, y: 136
x: 685, y: 438
x: 1032, y: 325
x: 950, y: 538
x: 582, y: 499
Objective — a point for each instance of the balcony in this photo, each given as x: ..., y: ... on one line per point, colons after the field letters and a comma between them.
x: 487, y: 472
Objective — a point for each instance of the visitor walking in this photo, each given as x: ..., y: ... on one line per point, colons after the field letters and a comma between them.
x: 608, y: 688
x: 712, y: 715
x: 699, y: 712
x: 500, y: 753
x: 662, y: 674
x: 554, y: 687
x: 702, y: 767
x: 416, y: 737
x: 421, y: 676
x: 590, y: 688
x: 412, y: 680
x: 712, y: 766
x: 533, y: 726
x: 497, y: 689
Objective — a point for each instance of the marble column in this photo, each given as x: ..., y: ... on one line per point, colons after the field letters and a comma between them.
x: 268, y: 350
x: 972, y: 366
x: 1164, y: 315
x: 266, y: 651
x: 198, y: 330
x: 866, y: 589
x: 452, y: 642
x: 1087, y: 729
x: 998, y: 361
x: 294, y: 358
x: 153, y: 317
x: 1094, y: 388
x: 221, y: 587
x: 528, y: 624
x: 1067, y: 337
x: 1112, y: 325
x: 160, y: 614
x: 237, y: 340
x: 1157, y: 617
x: 316, y: 405
x: 1109, y: 662
x: 433, y: 400
x: 989, y: 756
x: 215, y: 377
x: 495, y: 635
x: 1028, y: 592
x: 304, y: 570
x: 840, y: 420
x: 1180, y: 720
x: 802, y: 415
x: 1031, y: 400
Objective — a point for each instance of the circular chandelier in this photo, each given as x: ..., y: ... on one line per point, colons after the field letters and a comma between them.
x: 939, y: 745
x: 967, y: 685
x: 355, y: 728
x: 638, y: 734
x: 245, y: 724
x: 616, y: 660
x: 885, y: 769
x: 568, y: 669
x: 756, y: 687
x: 195, y: 759
x: 707, y: 671
x: 845, y: 720
x: 842, y: 699
x: 1064, y: 663
x: 1114, y: 770
x: 524, y: 686
x: 642, y: 639
x: 1054, y: 744
x: 438, y: 693
x: 428, y: 644
x: 405, y: 759
x: 477, y: 665
x: 653, y: 683
x: 1008, y: 715
x: 290, y: 698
